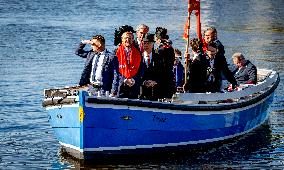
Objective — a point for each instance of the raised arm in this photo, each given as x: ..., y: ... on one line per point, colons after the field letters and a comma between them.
x: 80, y: 50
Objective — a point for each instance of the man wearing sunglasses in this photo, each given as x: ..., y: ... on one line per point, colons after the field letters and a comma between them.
x: 101, y: 66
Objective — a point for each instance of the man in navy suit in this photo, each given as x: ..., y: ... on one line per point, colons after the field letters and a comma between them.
x: 101, y: 66
x: 244, y: 72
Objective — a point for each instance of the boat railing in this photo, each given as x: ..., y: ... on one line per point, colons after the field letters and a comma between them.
x: 266, y: 79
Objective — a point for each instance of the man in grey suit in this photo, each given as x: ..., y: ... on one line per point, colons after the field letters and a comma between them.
x: 244, y: 72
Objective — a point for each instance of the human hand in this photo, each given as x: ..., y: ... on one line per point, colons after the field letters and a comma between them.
x: 129, y: 82
x: 86, y: 41
x: 150, y: 83
x: 233, y: 88
x: 112, y: 95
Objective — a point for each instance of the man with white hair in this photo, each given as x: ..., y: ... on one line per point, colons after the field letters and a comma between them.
x: 141, y: 30
x: 244, y: 72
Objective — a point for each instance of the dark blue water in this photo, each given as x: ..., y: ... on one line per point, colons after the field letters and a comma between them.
x: 37, y: 44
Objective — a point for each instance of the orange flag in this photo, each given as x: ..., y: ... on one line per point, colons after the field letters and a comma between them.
x: 185, y: 35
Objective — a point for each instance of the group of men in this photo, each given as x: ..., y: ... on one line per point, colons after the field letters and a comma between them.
x: 208, y: 66
x: 137, y: 70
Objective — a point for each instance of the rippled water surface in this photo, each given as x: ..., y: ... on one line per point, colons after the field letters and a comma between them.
x: 38, y: 40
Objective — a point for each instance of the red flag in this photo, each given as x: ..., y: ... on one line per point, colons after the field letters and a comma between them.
x: 185, y: 34
x: 192, y: 5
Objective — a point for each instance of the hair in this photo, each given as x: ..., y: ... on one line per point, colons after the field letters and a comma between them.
x: 118, y: 33
x: 177, y: 51
x: 213, y: 29
x: 100, y: 38
x: 142, y: 26
x: 238, y: 56
x: 161, y: 33
x: 127, y: 32
x: 212, y: 44
x: 196, y: 44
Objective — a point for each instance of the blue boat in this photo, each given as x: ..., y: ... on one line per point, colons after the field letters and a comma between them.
x: 86, y: 122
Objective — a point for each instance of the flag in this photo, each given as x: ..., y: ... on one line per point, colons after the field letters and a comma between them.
x: 185, y: 34
x: 193, y: 5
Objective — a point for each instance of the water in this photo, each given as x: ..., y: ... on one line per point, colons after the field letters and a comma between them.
x: 38, y: 40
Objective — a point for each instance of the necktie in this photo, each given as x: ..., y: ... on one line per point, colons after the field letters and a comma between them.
x: 95, y: 65
x: 141, y: 46
x: 148, y: 60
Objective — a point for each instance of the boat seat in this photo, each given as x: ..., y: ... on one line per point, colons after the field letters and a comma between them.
x: 263, y: 74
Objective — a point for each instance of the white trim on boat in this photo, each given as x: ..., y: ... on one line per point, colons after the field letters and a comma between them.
x: 61, y: 106
x: 135, y: 108
x: 71, y: 146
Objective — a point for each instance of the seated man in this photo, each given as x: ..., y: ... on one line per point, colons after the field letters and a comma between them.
x: 244, y: 72
x: 101, y: 66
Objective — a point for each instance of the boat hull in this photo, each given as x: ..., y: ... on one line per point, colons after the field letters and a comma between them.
x: 98, y: 127
x: 84, y: 123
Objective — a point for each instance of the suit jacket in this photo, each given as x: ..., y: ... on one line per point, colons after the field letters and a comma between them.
x: 197, y: 74
x: 220, y: 68
x: 179, y: 74
x: 247, y: 74
x: 152, y: 72
x: 220, y: 47
x: 167, y: 57
x: 110, y: 73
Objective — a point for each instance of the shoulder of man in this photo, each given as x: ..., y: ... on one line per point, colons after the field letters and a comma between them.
x: 249, y: 64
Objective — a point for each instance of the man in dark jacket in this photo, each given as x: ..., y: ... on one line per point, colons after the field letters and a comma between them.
x: 101, y: 66
x: 197, y: 75
x: 244, y: 72
x: 210, y: 35
x: 217, y: 65
x: 167, y: 56
x: 151, y: 70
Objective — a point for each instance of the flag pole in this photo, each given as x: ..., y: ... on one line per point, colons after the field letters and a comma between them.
x: 187, y: 55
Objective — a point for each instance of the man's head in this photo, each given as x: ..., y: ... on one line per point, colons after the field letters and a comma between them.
x: 196, y: 45
x: 212, y: 50
x: 120, y: 31
x: 161, y: 35
x: 141, y: 30
x: 238, y: 59
x: 127, y: 39
x: 178, y: 57
x: 148, y: 41
x: 98, y: 43
x: 177, y: 52
x: 210, y: 34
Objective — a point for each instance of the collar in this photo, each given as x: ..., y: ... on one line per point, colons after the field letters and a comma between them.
x: 145, y: 55
x: 138, y: 41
